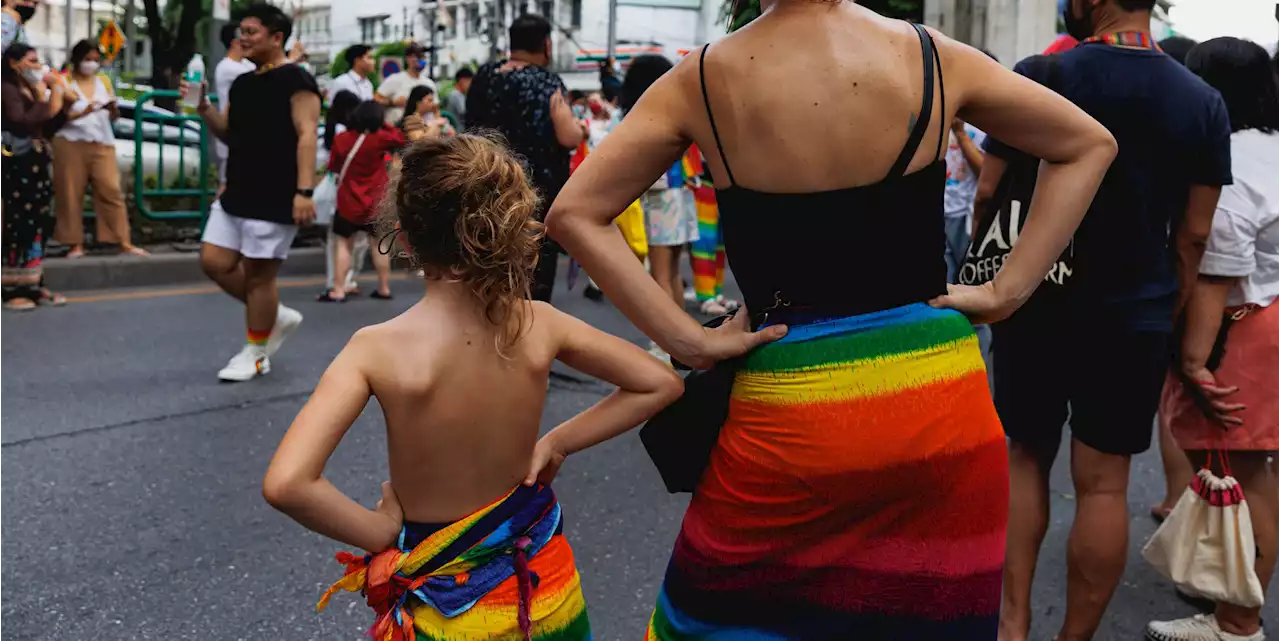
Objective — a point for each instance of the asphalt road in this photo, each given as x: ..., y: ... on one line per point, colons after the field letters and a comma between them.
x: 131, y: 482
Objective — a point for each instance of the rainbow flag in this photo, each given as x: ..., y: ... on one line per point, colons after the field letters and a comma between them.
x: 504, y: 572
x: 858, y: 490
x: 707, y: 252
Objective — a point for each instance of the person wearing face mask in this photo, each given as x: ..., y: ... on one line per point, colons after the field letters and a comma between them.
x: 394, y: 91
x: 16, y: 13
x: 1104, y: 351
x: 84, y: 154
x: 32, y: 106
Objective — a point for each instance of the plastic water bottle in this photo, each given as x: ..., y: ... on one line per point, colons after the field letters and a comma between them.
x: 194, y: 76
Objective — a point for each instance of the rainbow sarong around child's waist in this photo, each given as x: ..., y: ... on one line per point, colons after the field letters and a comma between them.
x: 503, y: 572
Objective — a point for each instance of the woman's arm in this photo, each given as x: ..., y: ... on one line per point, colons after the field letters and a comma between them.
x: 295, y: 483
x: 1075, y: 150
x: 18, y: 113
x: 1204, y: 310
x: 645, y: 385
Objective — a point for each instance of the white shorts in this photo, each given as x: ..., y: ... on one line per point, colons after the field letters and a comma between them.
x: 260, y: 239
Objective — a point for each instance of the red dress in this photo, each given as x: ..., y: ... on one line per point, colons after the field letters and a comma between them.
x: 366, y: 178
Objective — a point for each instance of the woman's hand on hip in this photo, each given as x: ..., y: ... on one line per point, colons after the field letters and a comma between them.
x: 731, y: 339
x: 981, y: 303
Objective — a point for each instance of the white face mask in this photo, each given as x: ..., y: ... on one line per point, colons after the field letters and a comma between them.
x: 33, y: 76
x: 89, y: 67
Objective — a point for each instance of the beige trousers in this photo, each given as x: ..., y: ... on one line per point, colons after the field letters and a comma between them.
x: 76, y: 165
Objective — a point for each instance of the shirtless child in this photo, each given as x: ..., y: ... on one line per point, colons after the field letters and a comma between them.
x: 467, y: 540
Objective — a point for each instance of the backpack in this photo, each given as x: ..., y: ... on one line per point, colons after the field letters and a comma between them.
x: 999, y: 224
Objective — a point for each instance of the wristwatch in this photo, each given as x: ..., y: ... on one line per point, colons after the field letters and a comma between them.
x: 305, y: 193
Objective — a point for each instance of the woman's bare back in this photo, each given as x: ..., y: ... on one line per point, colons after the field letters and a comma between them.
x: 831, y: 114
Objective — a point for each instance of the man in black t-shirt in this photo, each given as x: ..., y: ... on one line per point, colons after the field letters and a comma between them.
x: 1099, y: 344
x: 526, y: 103
x: 270, y: 132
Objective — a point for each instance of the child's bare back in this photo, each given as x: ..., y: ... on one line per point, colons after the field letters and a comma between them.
x: 462, y: 418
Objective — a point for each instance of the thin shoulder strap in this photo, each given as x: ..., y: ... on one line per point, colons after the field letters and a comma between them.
x: 702, y: 77
x: 942, y: 98
x: 926, y: 110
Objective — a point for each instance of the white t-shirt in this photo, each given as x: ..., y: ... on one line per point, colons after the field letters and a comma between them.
x: 223, y: 75
x: 1245, y: 240
x: 962, y: 183
x: 360, y: 86
x: 400, y: 85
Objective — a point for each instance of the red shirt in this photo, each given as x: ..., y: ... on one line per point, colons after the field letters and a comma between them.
x: 366, y: 178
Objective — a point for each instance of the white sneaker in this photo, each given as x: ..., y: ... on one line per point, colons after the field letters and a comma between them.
x: 287, y: 320
x: 1201, y: 627
x: 712, y: 307
x: 690, y: 296
x: 249, y: 364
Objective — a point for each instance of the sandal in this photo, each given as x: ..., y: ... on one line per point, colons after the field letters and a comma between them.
x: 76, y: 252
x: 377, y: 295
x: 49, y: 298
x: 20, y: 304
x: 328, y: 297
x: 134, y: 250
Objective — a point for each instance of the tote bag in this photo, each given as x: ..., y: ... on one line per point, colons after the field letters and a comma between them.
x: 1206, y: 544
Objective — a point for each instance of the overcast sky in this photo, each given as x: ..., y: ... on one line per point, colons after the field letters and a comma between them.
x: 1204, y: 19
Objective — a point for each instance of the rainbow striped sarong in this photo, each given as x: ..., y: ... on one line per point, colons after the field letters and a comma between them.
x: 858, y: 490
x: 503, y: 572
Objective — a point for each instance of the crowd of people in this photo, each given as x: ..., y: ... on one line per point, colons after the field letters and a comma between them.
x: 59, y: 143
x: 836, y: 503
x: 1098, y: 228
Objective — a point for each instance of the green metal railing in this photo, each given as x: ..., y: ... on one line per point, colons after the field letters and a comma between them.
x: 202, y: 191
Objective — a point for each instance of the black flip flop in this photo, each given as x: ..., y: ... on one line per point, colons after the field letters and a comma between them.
x: 327, y: 297
x: 380, y: 296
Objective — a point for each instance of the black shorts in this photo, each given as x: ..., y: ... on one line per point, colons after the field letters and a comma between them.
x: 346, y: 229
x: 1110, y: 378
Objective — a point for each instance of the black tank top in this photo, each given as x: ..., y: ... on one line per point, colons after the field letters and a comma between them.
x: 845, y: 251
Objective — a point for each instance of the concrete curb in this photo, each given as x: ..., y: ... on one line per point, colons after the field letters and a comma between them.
x: 179, y: 268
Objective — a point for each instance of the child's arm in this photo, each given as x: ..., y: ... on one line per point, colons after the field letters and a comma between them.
x: 645, y: 385
x: 295, y: 482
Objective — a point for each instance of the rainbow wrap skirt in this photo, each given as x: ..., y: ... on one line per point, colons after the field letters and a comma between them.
x: 503, y: 572
x: 858, y: 491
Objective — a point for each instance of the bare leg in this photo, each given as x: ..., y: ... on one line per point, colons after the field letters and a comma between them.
x: 341, y: 265
x: 677, y: 283
x: 382, y: 265
x: 1259, y: 484
x: 1028, y: 523
x: 1099, y: 538
x: 660, y: 266
x: 262, y: 299
x: 1177, y: 471
x: 224, y: 267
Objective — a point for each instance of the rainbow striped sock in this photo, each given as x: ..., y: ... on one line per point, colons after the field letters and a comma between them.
x: 259, y: 337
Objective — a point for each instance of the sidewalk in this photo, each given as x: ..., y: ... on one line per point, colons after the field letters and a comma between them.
x: 165, y: 267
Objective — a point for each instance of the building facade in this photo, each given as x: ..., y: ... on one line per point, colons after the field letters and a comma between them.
x: 463, y: 29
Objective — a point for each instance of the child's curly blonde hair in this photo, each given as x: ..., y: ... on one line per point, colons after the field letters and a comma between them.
x: 464, y: 209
